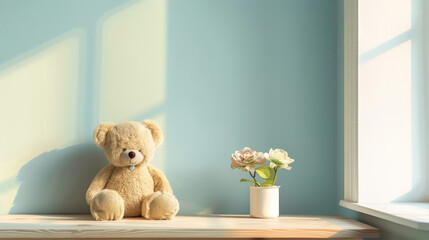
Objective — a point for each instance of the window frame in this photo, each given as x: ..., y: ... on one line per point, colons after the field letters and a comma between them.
x: 411, y: 214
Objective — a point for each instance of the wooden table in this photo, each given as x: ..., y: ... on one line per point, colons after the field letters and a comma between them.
x: 202, y: 227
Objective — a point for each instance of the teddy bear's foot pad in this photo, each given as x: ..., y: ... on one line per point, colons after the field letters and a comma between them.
x: 160, y: 206
x: 107, y: 205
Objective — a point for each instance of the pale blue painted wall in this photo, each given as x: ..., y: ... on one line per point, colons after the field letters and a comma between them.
x: 257, y: 74
x: 239, y: 73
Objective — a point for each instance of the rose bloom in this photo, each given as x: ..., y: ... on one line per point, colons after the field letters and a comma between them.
x: 281, y: 156
x: 246, y: 159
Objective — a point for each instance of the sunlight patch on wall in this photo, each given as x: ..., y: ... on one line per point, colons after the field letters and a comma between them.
x: 385, y: 125
x: 206, y: 211
x: 385, y: 81
x: 7, y: 194
x: 382, y: 21
x: 39, y: 105
x: 133, y: 60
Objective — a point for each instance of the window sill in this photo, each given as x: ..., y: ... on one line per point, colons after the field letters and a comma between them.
x: 412, y: 214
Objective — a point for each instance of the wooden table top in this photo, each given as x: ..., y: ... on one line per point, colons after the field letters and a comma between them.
x: 211, y: 226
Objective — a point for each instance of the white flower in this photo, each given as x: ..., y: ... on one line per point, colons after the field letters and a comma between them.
x: 280, y: 158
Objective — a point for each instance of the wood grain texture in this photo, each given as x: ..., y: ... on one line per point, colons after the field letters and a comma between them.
x: 214, y: 226
x: 177, y: 238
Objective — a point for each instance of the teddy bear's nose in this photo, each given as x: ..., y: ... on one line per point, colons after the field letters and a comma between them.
x: 131, y: 154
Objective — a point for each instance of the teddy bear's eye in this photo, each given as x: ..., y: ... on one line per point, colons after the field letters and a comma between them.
x: 124, y: 149
x: 140, y: 150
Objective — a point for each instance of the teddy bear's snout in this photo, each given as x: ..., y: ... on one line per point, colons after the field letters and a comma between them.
x: 130, y: 158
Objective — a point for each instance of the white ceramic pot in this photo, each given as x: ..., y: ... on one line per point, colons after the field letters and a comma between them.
x: 264, y: 202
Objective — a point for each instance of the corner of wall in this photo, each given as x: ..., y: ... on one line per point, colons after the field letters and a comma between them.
x: 340, y: 103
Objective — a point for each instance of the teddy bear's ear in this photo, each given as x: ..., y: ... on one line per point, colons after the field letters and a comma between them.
x: 100, y: 133
x: 155, y: 129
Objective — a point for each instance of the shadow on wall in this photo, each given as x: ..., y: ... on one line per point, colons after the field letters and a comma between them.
x: 57, y: 181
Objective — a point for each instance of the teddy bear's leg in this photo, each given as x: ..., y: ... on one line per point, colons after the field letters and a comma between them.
x: 160, y: 206
x: 107, y: 205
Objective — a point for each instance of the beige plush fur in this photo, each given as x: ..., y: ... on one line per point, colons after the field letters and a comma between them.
x: 117, y: 191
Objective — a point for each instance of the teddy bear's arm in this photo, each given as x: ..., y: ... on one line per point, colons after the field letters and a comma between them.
x: 160, y: 181
x: 99, y: 182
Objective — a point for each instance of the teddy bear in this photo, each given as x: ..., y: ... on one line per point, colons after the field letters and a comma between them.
x: 130, y: 186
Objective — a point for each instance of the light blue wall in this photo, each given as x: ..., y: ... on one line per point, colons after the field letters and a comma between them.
x: 257, y: 74
x: 238, y: 73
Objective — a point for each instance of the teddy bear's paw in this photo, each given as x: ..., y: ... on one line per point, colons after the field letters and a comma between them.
x: 107, y: 205
x: 160, y: 206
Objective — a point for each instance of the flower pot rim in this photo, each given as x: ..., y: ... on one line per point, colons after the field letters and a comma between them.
x: 273, y: 187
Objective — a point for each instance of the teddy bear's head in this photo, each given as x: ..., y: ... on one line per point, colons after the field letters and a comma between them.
x: 128, y: 143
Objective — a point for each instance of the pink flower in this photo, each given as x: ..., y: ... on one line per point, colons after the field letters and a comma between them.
x: 246, y: 159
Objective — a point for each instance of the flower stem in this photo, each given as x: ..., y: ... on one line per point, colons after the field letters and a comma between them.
x: 254, y: 179
x: 275, y: 175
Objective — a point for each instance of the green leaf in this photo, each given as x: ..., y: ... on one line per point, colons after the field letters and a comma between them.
x: 277, y: 162
x: 265, y: 172
x: 267, y: 183
x: 247, y: 180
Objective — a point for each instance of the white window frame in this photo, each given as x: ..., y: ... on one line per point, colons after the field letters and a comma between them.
x: 351, y: 101
x: 411, y: 214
